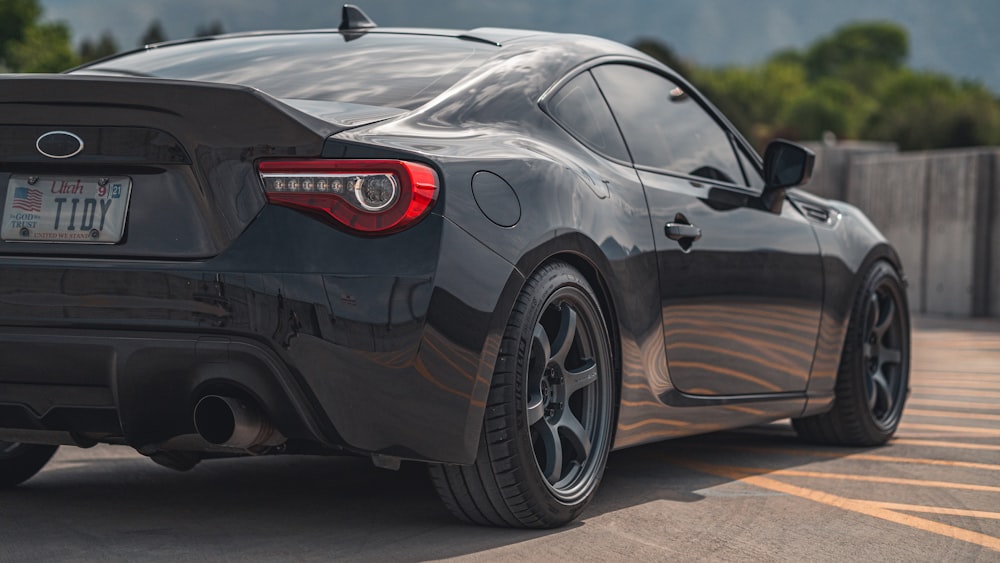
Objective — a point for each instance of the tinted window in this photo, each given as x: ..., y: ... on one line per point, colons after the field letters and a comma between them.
x: 580, y: 108
x: 400, y: 71
x: 753, y: 176
x: 665, y: 128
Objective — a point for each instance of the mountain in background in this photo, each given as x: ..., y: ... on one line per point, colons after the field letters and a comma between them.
x: 958, y: 38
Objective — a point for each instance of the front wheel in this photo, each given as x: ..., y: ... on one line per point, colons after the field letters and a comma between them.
x: 550, y: 413
x: 20, y: 462
x: 873, y: 379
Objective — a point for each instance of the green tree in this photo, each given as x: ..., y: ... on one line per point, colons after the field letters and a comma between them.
x: 663, y: 53
x: 928, y: 110
x: 16, y: 16
x: 153, y: 34
x: 829, y: 105
x: 104, y: 46
x: 27, y: 45
x: 45, y: 48
x: 214, y: 28
x: 858, y: 48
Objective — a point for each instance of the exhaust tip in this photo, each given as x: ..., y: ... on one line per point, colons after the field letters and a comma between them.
x: 215, y: 418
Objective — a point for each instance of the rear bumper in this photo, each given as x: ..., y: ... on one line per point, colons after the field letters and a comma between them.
x: 395, y: 362
x: 141, y: 388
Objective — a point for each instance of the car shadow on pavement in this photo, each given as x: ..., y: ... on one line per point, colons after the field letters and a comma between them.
x: 111, y: 504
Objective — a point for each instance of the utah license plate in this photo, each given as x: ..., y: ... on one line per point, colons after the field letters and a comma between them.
x: 66, y: 209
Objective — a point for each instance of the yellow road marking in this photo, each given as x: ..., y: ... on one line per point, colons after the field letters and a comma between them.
x: 844, y: 503
x: 870, y: 479
x: 956, y: 384
x: 955, y: 404
x: 952, y: 414
x: 867, y: 457
x: 945, y: 444
x: 938, y: 510
x: 920, y: 391
x: 949, y: 428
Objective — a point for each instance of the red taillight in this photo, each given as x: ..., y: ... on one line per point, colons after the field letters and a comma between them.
x: 368, y: 196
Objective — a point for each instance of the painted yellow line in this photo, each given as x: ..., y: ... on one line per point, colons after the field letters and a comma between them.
x: 938, y: 510
x: 954, y: 404
x: 945, y: 444
x: 870, y: 479
x: 948, y: 428
x: 945, y: 383
x: 947, y: 391
x: 844, y: 503
x: 868, y: 457
x: 952, y: 414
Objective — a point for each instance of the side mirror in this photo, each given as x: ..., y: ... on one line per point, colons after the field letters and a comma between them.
x: 787, y: 164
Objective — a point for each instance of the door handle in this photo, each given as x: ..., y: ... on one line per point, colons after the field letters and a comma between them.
x: 681, y: 231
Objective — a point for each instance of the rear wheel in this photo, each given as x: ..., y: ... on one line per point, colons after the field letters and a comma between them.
x: 873, y: 379
x: 20, y: 462
x: 550, y: 413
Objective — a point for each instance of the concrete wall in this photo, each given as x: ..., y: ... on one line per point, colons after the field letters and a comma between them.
x: 941, y: 210
x: 994, y: 248
x: 833, y: 164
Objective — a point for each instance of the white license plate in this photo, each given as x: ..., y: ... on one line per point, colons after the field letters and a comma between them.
x: 66, y: 209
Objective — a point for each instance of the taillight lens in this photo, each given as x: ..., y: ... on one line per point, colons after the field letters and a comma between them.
x: 367, y: 196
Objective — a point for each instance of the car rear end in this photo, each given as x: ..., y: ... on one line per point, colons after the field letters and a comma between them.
x: 185, y: 266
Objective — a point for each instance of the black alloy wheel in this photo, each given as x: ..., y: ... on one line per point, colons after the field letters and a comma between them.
x: 20, y: 462
x: 882, y: 353
x: 873, y: 379
x: 566, y: 409
x: 550, y: 415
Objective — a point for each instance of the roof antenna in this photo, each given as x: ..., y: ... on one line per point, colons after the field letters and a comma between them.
x: 353, y: 19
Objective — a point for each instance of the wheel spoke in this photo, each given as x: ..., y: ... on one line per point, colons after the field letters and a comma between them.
x: 540, y: 344
x: 567, y: 333
x: 536, y: 409
x: 581, y: 378
x: 881, y: 391
x: 890, y: 356
x: 576, y: 435
x: 886, y: 315
x: 552, y: 446
x: 872, y: 311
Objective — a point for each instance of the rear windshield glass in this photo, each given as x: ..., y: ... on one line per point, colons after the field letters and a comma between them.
x: 389, y: 70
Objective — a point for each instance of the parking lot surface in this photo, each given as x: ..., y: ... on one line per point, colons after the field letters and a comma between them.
x: 932, y: 494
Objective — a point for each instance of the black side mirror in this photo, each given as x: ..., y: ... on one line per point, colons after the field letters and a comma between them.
x: 787, y: 164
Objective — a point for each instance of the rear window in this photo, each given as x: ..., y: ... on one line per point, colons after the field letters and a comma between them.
x: 389, y: 70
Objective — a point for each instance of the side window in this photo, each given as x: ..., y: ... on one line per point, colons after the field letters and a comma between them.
x: 664, y: 127
x: 753, y: 176
x: 580, y: 108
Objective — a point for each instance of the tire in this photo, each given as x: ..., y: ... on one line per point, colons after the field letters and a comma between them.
x: 873, y: 378
x: 20, y: 462
x: 550, y: 413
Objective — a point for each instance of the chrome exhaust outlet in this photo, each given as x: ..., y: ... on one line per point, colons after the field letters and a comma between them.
x: 234, y: 423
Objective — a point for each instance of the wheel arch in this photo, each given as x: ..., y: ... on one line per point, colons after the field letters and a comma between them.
x: 584, y: 255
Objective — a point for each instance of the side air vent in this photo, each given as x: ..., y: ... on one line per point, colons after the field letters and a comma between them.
x: 818, y: 213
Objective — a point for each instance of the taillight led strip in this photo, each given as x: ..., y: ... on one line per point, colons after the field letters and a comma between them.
x: 366, y: 196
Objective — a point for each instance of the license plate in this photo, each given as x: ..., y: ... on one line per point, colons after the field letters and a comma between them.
x: 66, y: 209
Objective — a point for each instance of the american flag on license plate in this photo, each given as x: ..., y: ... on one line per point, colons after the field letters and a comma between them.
x: 27, y: 199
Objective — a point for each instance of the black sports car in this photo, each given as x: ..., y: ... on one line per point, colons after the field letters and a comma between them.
x: 503, y: 253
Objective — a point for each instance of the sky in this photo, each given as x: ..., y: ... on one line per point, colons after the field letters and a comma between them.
x: 958, y: 37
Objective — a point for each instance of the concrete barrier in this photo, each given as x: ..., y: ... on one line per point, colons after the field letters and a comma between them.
x: 941, y: 210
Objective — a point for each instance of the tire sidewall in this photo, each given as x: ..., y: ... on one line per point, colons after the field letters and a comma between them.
x: 551, y: 280
x: 854, y: 369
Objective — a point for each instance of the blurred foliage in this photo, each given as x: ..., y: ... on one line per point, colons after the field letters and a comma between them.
x: 28, y: 45
x: 853, y: 83
x: 105, y: 46
x: 214, y: 28
x: 153, y: 34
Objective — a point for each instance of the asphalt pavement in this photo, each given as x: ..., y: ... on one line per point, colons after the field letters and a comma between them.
x: 932, y: 494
